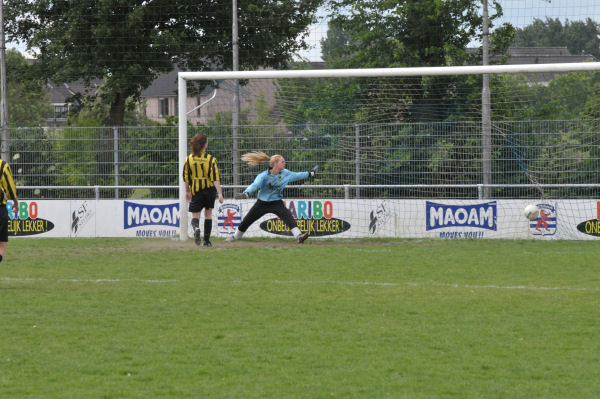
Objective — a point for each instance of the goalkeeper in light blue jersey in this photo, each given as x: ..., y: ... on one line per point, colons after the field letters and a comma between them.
x: 270, y: 187
x: 270, y: 184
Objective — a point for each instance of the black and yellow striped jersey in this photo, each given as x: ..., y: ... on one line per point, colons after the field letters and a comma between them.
x: 7, y: 184
x: 200, y: 172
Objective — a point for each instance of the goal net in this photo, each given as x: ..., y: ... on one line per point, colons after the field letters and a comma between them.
x: 409, y: 152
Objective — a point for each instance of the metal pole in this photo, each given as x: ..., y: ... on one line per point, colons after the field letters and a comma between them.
x: 486, y: 124
x: 235, y: 114
x: 385, y: 72
x: 182, y: 138
x: 116, y: 158
x: 357, y: 157
x: 4, y: 89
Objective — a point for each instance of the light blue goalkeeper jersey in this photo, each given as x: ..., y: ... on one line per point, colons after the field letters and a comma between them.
x: 270, y: 187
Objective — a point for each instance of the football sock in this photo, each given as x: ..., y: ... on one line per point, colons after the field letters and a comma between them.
x: 207, y: 229
x: 195, y: 223
x: 296, y: 232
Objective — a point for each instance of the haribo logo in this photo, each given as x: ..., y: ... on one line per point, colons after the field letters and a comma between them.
x: 26, y: 222
x: 591, y: 227
x: 314, y: 217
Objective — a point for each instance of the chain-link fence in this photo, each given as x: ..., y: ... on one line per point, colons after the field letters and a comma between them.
x: 431, y: 160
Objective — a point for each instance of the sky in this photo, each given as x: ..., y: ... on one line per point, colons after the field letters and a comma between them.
x: 519, y: 13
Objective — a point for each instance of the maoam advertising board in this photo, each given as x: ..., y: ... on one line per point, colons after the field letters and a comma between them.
x: 323, y: 218
x: 557, y: 219
x: 443, y: 219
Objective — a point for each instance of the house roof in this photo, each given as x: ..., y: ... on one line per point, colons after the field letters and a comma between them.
x: 544, y: 55
x: 165, y: 85
x: 63, y: 92
x: 538, y: 55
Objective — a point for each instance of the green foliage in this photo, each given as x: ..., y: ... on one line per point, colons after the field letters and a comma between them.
x: 335, y: 43
x: 403, y: 33
x: 80, y: 154
x: 263, y: 111
x: 28, y: 102
x: 92, y: 112
x: 578, y: 36
x: 567, y: 96
x: 369, y: 34
x: 32, y: 158
x: 147, y: 157
x: 129, y: 42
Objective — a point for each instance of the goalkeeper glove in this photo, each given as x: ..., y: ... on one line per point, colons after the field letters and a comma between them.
x: 240, y: 196
x: 313, y: 172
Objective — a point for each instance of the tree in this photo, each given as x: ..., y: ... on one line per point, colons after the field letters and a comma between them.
x: 405, y: 33
x: 578, y: 36
x: 91, y: 111
x: 383, y: 34
x: 129, y: 42
x: 28, y: 102
x: 336, y: 40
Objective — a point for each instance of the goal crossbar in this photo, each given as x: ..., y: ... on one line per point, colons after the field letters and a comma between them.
x: 183, y: 77
x: 388, y: 72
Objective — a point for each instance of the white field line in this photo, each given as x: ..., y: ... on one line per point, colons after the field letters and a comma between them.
x: 77, y: 280
x: 315, y: 282
x: 430, y: 284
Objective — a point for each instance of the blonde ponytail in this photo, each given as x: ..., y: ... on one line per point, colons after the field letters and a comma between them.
x: 254, y: 158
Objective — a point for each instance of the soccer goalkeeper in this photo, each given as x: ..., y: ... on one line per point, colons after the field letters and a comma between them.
x: 270, y: 184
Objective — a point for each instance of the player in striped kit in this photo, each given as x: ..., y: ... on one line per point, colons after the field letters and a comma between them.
x: 8, y: 191
x: 201, y: 175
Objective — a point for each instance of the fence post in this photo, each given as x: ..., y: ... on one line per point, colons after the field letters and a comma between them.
x: 346, y: 191
x: 486, y: 124
x: 357, y: 157
x: 116, y: 159
x: 480, y: 191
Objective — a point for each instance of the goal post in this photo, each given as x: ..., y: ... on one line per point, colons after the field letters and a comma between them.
x: 184, y: 77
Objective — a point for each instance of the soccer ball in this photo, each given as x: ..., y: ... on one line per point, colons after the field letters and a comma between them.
x: 531, y: 212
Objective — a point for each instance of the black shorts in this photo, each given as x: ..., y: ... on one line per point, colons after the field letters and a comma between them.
x: 203, y: 199
x: 261, y: 208
x: 3, y: 223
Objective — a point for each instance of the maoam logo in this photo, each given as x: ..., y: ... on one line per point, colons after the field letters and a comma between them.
x: 137, y: 215
x: 591, y: 227
x: 481, y: 216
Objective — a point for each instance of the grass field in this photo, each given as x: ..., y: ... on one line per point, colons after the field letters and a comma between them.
x: 134, y: 318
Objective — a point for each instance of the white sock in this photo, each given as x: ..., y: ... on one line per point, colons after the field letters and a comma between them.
x: 238, y: 235
x: 296, y: 232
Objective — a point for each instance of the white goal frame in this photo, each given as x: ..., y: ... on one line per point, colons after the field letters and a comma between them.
x: 183, y: 77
